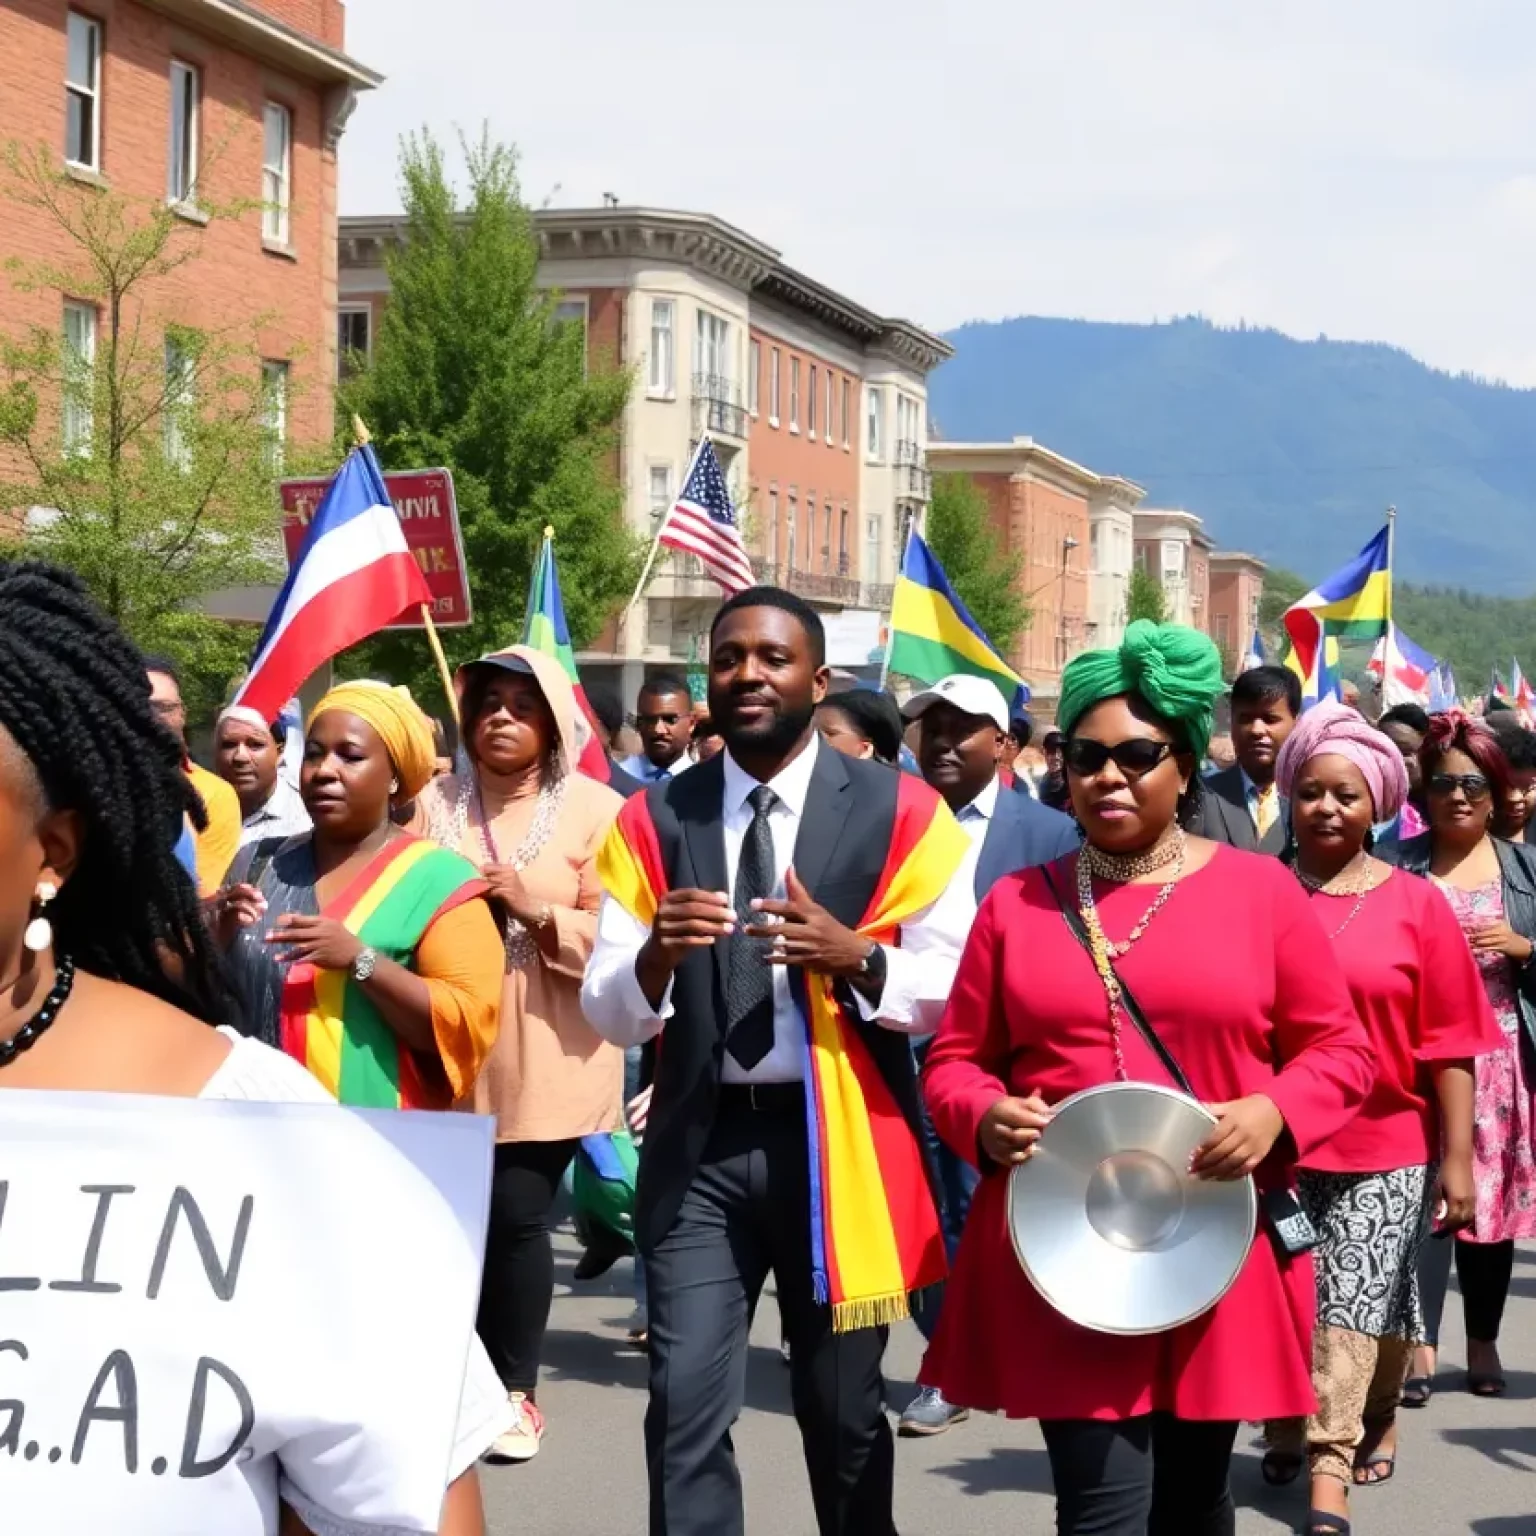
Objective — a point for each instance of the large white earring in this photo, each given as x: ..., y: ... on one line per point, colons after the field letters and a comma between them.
x: 39, y: 934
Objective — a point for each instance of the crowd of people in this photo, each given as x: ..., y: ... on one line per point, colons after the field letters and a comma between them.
x: 834, y: 962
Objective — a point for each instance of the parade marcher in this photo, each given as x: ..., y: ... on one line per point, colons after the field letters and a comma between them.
x: 664, y: 719
x: 214, y: 844
x: 533, y: 824
x: 749, y: 907
x: 860, y: 722
x: 365, y: 952
x: 1491, y: 887
x: 247, y: 754
x: 1241, y: 805
x: 1052, y: 787
x: 1233, y: 970
x: 1405, y: 726
x: 1512, y: 820
x: 964, y: 723
x: 609, y: 716
x: 1372, y: 1189
x: 112, y: 986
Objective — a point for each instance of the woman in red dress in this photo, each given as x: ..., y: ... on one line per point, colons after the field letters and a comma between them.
x: 1235, y: 973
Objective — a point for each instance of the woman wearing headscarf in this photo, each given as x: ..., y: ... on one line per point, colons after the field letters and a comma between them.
x: 532, y: 824
x: 367, y: 953
x: 1372, y: 1189
x: 1232, y: 969
x: 1490, y: 885
x: 247, y: 755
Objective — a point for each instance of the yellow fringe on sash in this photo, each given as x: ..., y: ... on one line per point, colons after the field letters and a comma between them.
x: 870, y: 1312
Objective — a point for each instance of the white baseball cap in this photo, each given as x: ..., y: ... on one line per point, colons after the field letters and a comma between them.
x: 960, y: 690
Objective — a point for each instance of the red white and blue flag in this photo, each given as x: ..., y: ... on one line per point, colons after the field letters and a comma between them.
x: 353, y: 576
x: 1405, y: 670
x: 702, y: 522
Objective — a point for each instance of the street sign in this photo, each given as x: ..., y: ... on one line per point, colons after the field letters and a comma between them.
x: 429, y: 516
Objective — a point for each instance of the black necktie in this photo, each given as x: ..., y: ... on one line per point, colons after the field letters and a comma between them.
x: 749, y: 981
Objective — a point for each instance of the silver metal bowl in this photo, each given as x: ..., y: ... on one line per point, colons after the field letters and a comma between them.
x: 1107, y: 1221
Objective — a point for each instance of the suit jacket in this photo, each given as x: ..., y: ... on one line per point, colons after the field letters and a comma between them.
x: 1224, y: 816
x: 621, y: 782
x: 840, y: 853
x: 1021, y: 834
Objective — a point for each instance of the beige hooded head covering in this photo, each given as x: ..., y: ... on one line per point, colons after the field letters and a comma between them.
x: 572, y: 727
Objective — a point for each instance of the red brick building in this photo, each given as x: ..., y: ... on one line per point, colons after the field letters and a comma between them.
x: 193, y: 103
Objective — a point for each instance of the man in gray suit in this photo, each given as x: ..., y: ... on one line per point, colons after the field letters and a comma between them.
x: 1242, y: 806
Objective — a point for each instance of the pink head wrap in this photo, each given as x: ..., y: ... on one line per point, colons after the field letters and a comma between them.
x: 1333, y: 728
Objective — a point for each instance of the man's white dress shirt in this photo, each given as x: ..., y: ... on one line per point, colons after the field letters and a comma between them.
x: 641, y: 767
x: 919, y: 972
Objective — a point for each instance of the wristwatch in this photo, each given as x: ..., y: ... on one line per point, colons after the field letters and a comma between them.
x: 362, y: 967
x: 873, y: 967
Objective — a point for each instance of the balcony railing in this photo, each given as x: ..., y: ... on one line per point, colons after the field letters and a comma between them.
x: 914, y: 480
x: 837, y: 589
x: 877, y: 595
x: 718, y: 407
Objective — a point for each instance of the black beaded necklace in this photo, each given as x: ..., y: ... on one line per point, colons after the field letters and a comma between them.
x: 26, y: 1036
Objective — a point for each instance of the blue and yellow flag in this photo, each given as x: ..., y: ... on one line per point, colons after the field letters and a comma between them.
x: 1355, y: 603
x: 932, y: 635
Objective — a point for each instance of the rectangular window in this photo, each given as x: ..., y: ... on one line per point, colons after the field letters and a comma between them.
x: 794, y: 394
x: 181, y: 177
x: 872, y: 547
x: 826, y: 542
x: 659, y: 383
x: 773, y: 528
x: 276, y: 172
x: 842, y: 541
x: 274, y: 392
x: 82, y: 92
x: 79, y: 376
x: 176, y: 407
x: 874, y: 412
x: 789, y: 545
x: 773, y: 386
x: 712, y: 351
x: 810, y: 405
x: 810, y: 530
x: 847, y: 413
x: 826, y: 422
x: 660, y: 490
x: 1173, y: 559
x: 754, y: 370
x: 354, y: 338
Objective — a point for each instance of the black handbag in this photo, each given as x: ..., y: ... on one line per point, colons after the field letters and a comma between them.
x: 1289, y: 1225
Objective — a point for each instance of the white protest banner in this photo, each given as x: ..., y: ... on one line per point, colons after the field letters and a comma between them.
x: 195, y: 1296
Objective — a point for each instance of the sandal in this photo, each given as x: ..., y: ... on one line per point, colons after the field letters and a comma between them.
x: 1321, y: 1523
x: 1385, y: 1460
x: 1417, y: 1391
x: 1281, y: 1468
x: 1491, y: 1385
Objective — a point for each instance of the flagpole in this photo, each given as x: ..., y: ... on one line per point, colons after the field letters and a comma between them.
x: 1391, y: 556
x: 362, y: 437
x: 650, y: 559
x: 885, y: 659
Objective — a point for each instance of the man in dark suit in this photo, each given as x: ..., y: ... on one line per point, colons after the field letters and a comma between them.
x: 963, y: 743
x: 760, y: 863
x: 1242, y: 806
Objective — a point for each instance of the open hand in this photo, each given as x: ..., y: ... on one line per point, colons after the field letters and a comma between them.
x: 1499, y: 938
x: 233, y: 908
x: 1010, y: 1129
x: 805, y: 934
x: 1245, y: 1130
x: 321, y: 941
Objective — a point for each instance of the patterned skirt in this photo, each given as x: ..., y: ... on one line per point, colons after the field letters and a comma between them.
x: 1371, y: 1227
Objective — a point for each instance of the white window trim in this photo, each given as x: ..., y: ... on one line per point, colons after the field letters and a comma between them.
x: 773, y: 387
x: 188, y: 196
x: 276, y: 216
x: 874, y: 453
x: 93, y: 90
x: 276, y: 380
x: 356, y: 308
x: 80, y: 414
x: 847, y: 400
x: 177, y: 448
x: 827, y: 432
x: 654, y: 511
x: 794, y: 395
x: 811, y: 384
x: 667, y: 388
x: 754, y: 376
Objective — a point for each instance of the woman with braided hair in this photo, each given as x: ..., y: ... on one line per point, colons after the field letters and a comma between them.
x: 109, y: 983
x: 1232, y: 970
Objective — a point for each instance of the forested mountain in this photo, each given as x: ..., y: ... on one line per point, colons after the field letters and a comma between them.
x: 1290, y: 449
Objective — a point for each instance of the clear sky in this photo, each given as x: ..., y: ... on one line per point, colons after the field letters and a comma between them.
x: 1363, y: 168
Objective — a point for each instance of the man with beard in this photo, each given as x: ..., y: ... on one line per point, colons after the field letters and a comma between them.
x: 750, y: 906
x: 1242, y: 806
x: 664, y: 718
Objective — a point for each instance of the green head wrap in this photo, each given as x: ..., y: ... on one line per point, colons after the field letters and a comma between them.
x: 1177, y: 670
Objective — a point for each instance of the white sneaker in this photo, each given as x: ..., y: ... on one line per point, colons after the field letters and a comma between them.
x: 520, y: 1440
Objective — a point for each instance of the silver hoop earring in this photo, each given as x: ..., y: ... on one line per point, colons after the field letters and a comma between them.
x: 39, y: 932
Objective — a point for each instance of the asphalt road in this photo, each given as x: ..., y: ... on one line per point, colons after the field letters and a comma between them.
x: 1465, y: 1465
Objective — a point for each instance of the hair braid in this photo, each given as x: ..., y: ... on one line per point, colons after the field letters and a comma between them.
x: 75, y: 700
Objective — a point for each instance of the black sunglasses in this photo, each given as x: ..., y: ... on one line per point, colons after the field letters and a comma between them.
x: 1138, y: 755
x: 1473, y: 785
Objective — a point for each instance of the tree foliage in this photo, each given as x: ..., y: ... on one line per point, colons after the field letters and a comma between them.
x: 987, y: 576
x: 472, y: 371
x: 1145, y: 598
x: 155, y: 483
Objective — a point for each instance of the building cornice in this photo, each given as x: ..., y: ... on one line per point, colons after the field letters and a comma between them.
x: 1238, y: 557
x: 1025, y: 456
x: 275, y: 42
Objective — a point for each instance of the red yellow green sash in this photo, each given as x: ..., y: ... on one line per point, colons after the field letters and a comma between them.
x: 875, y: 1233
x: 328, y: 1021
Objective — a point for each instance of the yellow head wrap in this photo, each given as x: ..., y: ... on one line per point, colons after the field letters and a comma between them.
x: 400, y: 724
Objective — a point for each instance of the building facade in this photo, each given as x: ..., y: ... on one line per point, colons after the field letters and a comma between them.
x: 1173, y: 546
x: 816, y: 407
x: 196, y: 104
x: 1237, y: 585
x: 1071, y: 528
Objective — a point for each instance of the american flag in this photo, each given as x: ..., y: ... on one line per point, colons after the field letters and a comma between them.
x: 702, y: 522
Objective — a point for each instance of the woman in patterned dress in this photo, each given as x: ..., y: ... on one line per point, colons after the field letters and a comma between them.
x: 1490, y: 885
x: 1371, y: 1189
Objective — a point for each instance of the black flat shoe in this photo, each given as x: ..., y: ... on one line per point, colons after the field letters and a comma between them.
x: 1417, y: 1391
x: 1281, y: 1468
x: 1321, y: 1523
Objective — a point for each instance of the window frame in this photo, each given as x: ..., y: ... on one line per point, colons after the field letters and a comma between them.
x: 353, y: 307
x: 847, y: 400
x: 91, y: 93
x: 661, y: 384
x: 792, y: 508
x: 276, y: 381
x: 874, y: 424
x: 772, y: 542
x: 276, y: 213
x: 794, y: 395
x: 190, y: 75
x: 827, y: 433
x: 811, y: 383
x: 658, y: 509
x: 773, y: 387
x: 754, y: 379
x: 77, y: 418
x: 178, y: 451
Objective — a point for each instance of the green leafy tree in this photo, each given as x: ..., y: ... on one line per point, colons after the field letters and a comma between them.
x: 988, y: 577
x: 1281, y: 589
x: 143, y: 448
x: 472, y: 370
x: 1145, y: 598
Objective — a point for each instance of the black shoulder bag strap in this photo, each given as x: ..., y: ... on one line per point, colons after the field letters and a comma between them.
x: 1289, y: 1225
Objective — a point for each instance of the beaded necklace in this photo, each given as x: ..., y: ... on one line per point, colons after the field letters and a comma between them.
x: 58, y: 995
x: 1362, y: 888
